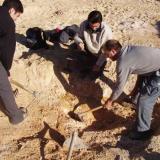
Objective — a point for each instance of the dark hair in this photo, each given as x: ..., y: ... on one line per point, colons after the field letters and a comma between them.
x: 95, y: 17
x: 113, y: 44
x: 16, y: 4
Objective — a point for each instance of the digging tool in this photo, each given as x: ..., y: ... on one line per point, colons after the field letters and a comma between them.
x: 78, y: 117
x: 74, y: 135
x: 34, y: 93
x: 74, y: 143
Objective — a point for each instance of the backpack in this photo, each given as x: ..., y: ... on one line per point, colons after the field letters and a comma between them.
x: 53, y: 35
x: 68, y: 33
x: 35, y: 38
x: 61, y: 35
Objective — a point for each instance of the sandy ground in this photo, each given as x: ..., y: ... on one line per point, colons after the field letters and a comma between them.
x: 42, y: 135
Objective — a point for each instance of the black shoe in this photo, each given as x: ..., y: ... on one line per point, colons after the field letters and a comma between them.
x: 145, y: 135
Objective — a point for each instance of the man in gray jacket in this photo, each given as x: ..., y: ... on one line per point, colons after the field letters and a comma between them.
x: 9, y: 12
x: 143, y: 61
x: 92, y: 35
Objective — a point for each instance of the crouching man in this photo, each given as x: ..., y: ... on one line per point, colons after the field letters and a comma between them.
x: 9, y: 12
x: 145, y: 62
x: 92, y: 35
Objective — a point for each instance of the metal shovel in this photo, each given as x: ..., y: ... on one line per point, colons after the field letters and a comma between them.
x: 78, y: 117
x: 74, y: 142
x: 34, y: 93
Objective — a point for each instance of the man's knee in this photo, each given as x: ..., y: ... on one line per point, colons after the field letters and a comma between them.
x: 146, y: 103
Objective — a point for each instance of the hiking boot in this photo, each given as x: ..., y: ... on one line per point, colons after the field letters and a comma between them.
x: 20, y: 118
x: 145, y: 135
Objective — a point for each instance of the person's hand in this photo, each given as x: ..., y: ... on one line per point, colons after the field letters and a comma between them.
x: 95, y: 68
x: 108, y: 104
x: 81, y: 46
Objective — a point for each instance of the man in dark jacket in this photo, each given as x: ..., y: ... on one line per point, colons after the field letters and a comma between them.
x: 143, y: 61
x: 9, y: 12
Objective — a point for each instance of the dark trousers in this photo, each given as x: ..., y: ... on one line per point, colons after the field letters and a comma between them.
x: 7, y: 102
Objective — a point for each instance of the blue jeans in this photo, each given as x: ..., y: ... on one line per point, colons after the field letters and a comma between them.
x: 149, y: 91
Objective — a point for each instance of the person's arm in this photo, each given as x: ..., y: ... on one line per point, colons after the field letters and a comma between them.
x: 2, y: 33
x: 79, y: 36
x: 101, y: 59
x: 122, y: 76
x: 107, y: 34
x: 8, y: 47
x: 7, y: 59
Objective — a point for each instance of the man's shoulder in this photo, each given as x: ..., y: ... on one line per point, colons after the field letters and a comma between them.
x: 3, y: 12
x: 84, y: 23
x: 5, y: 19
x: 105, y: 26
x: 4, y: 15
x: 123, y: 55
